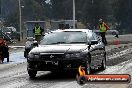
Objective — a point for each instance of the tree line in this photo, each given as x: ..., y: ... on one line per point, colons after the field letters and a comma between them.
x: 117, y: 13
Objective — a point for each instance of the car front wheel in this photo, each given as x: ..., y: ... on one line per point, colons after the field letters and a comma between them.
x: 32, y: 73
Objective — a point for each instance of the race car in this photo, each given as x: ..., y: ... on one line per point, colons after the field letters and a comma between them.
x: 66, y: 50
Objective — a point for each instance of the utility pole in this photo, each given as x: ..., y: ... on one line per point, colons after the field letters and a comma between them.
x: 74, y: 23
x: 0, y: 7
x: 93, y: 20
x: 20, y: 19
x: 92, y: 1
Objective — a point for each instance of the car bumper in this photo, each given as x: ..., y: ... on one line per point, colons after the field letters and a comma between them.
x: 56, y: 64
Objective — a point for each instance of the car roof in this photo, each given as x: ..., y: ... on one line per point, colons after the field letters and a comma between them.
x: 87, y: 31
x: 73, y: 30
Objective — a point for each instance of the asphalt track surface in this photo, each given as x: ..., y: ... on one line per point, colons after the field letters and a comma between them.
x: 119, y: 61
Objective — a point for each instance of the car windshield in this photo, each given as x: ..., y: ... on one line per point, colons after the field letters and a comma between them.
x: 64, y: 38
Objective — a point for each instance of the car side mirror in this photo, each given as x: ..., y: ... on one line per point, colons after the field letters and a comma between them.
x: 35, y: 43
x: 92, y: 42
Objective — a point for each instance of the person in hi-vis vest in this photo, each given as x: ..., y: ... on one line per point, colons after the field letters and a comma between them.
x: 103, y: 27
x: 37, y: 32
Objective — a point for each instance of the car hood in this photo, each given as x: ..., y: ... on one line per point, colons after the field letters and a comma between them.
x: 59, y: 48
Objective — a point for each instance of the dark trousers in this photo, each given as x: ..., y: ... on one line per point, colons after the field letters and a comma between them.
x: 102, y: 34
x: 38, y: 38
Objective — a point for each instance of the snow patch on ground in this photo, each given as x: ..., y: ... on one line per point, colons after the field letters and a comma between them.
x: 15, y: 57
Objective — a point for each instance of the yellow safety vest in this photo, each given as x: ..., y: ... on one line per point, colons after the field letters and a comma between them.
x: 102, y: 28
x: 37, y: 31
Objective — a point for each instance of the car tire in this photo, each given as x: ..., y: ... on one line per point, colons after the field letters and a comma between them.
x: 32, y: 73
x: 103, y: 64
x: 25, y: 54
x: 7, y: 57
x: 81, y: 80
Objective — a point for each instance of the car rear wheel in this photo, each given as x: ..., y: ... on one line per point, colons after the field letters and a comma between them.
x: 7, y: 57
x: 25, y: 54
x: 32, y: 73
x: 81, y: 80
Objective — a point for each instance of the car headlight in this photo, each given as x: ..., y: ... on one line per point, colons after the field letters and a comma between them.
x: 73, y: 55
x: 36, y: 56
x: 31, y: 55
